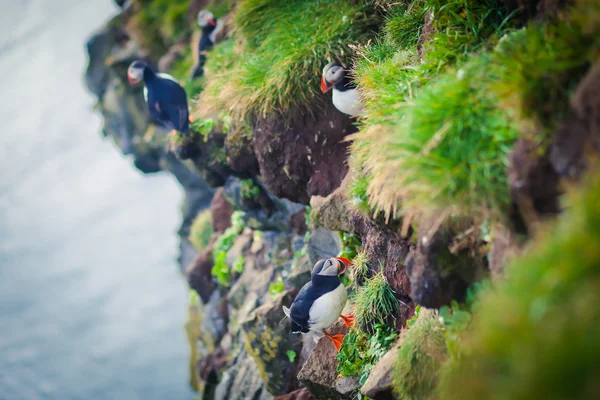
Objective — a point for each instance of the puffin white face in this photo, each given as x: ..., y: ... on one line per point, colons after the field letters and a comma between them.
x: 334, y: 266
x: 135, y: 72
x: 206, y: 18
x: 332, y: 74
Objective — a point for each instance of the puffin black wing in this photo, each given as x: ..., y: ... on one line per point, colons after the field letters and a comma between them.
x: 167, y: 102
x: 300, y: 310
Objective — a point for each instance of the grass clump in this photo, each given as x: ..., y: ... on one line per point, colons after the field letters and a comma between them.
x: 451, y: 148
x: 374, y: 303
x: 221, y: 270
x: 539, y: 66
x: 360, y: 267
x: 374, y: 309
x: 360, y: 351
x: 422, y: 350
x: 536, y: 334
x: 282, y: 49
x: 201, y: 230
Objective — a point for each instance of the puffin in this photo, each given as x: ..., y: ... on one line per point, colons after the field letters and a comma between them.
x: 345, y: 94
x: 320, y: 302
x: 166, y: 99
x: 212, y: 29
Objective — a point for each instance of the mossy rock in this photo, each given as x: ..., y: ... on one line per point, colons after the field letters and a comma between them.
x: 268, y: 341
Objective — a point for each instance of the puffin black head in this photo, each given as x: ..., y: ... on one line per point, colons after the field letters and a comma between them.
x: 206, y: 18
x: 332, y: 74
x: 331, y: 266
x: 135, y: 72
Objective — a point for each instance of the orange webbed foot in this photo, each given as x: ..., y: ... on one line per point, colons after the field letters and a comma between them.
x: 348, y: 320
x: 191, y: 118
x: 336, y: 340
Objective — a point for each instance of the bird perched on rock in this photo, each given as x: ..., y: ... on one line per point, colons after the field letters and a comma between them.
x: 345, y: 94
x: 166, y: 99
x: 212, y: 32
x: 320, y: 302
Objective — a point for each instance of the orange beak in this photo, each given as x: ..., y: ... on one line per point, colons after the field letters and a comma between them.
x: 212, y: 21
x: 132, y: 80
x: 325, y: 86
x: 346, y: 264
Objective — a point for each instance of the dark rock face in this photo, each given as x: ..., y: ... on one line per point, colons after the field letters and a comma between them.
x: 199, y: 275
x: 383, y: 245
x: 440, y: 270
x: 309, y: 151
x: 539, y: 8
x: 579, y: 136
x: 221, y: 211
x: 533, y: 185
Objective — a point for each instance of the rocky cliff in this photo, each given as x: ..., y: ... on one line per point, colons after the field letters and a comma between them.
x: 447, y: 192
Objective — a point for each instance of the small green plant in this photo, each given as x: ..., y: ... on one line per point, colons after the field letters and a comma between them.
x: 414, y: 318
x: 360, y: 351
x: 291, y: 355
x: 221, y: 270
x: 276, y: 287
x: 238, y: 265
x: 374, y: 303
x: 359, y: 197
x: 223, y: 244
x: 457, y: 317
x: 201, y: 230
x: 249, y: 189
x: 204, y: 126
x: 351, y: 245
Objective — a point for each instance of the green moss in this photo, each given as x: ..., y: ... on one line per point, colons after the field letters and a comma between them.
x: 201, y: 230
x: 540, y: 65
x: 536, y: 334
x: 416, y: 123
x: 421, y: 352
x: 249, y: 189
x: 221, y: 270
x: 283, y: 48
x: 374, y: 303
x: 404, y: 24
x: 276, y: 287
x: 160, y: 23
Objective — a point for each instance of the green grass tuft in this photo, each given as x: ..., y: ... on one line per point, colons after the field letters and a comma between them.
x: 450, y: 150
x: 360, y: 267
x: 404, y: 24
x: 535, y: 335
x: 282, y: 49
x: 374, y: 303
x: 202, y: 230
x: 422, y: 350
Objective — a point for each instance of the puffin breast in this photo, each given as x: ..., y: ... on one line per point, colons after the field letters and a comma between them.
x: 347, y: 101
x: 327, y: 308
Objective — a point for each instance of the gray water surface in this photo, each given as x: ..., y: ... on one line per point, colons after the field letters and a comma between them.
x: 91, y: 301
